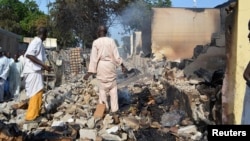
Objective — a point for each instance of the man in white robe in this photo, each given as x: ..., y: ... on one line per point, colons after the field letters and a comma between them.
x: 4, y: 71
x: 15, y: 77
x: 7, y: 81
x: 32, y: 71
x: 104, y: 60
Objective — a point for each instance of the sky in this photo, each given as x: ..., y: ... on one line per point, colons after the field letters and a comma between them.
x: 197, y: 3
x: 175, y: 3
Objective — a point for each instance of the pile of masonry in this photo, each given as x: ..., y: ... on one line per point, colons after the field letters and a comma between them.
x: 165, y: 105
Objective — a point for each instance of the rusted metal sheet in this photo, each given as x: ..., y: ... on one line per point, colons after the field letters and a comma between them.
x: 177, y: 31
x: 9, y: 41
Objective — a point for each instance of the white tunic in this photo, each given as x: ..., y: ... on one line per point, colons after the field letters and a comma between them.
x: 4, y: 67
x: 32, y: 71
x: 21, y: 60
x: 104, y: 59
x: 15, y: 78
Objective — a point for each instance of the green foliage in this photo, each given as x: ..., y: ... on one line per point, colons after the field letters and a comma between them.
x: 30, y: 23
x: 159, y: 3
x: 11, y: 12
x: 21, y: 18
x: 79, y: 18
x: 71, y: 21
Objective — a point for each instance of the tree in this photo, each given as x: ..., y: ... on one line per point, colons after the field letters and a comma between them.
x: 80, y: 18
x: 21, y: 18
x: 159, y: 3
x: 34, y: 18
x: 11, y: 12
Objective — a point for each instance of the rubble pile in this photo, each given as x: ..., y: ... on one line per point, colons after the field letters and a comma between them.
x: 68, y: 111
x: 162, y: 103
x: 191, y: 98
x: 68, y: 114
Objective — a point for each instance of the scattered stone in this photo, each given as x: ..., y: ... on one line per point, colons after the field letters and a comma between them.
x: 100, y: 109
x: 88, y: 133
x: 29, y: 126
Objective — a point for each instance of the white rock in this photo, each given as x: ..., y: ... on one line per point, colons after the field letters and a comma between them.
x: 30, y: 126
x: 111, y: 137
x: 197, y: 136
x: 81, y: 121
x: 113, y: 129
x: 58, y: 114
x: 70, y: 120
x: 57, y: 123
x: 187, y: 130
x: 66, y: 117
x: 88, y: 133
x: 124, y: 136
x: 91, y: 123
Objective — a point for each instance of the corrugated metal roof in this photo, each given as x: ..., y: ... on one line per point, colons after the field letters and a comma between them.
x: 2, y: 31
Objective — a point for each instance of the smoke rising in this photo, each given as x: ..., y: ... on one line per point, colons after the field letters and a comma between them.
x: 135, y: 15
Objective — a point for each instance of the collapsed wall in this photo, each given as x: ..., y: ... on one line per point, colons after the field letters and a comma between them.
x: 65, y: 64
x: 175, y: 38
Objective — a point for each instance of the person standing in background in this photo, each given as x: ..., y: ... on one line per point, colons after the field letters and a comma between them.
x: 4, y: 71
x: 7, y: 82
x: 21, y: 59
x: 35, y: 58
x: 15, y: 77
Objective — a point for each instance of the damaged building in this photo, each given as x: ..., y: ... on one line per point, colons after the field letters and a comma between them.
x: 9, y: 42
x: 191, y: 80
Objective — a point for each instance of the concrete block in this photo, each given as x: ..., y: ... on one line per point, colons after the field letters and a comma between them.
x: 88, y: 133
x: 58, y: 114
x: 187, y: 130
x: 66, y: 117
x: 100, y: 109
x: 81, y: 121
x: 30, y: 126
x: 220, y: 42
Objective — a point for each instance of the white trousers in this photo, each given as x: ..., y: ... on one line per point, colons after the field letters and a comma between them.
x: 110, y: 89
